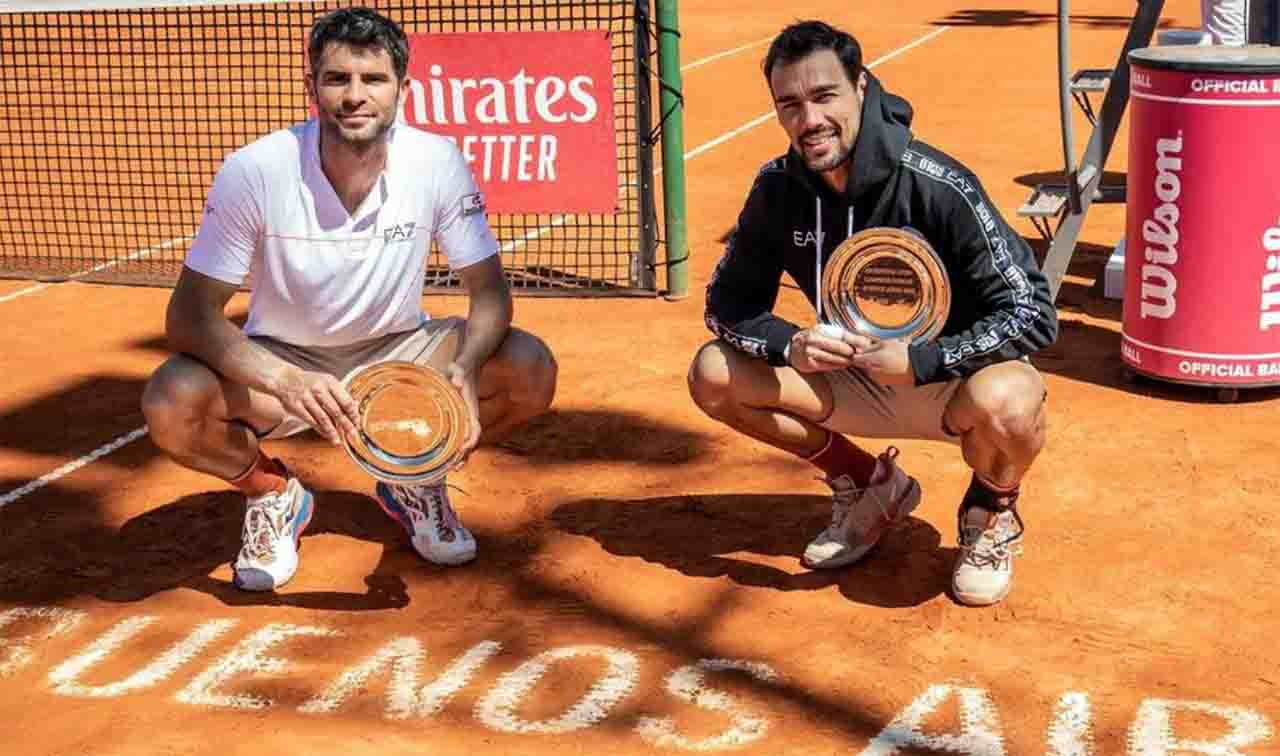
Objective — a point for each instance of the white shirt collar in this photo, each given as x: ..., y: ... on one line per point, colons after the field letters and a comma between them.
x: 329, y: 208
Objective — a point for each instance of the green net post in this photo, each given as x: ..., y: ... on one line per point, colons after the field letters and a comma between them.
x: 671, y: 104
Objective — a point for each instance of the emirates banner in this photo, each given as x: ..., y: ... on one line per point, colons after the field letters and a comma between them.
x: 532, y: 112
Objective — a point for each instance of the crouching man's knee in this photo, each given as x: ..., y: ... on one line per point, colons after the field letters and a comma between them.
x: 531, y: 360
x: 1007, y: 401
x: 710, y: 383
x: 176, y: 400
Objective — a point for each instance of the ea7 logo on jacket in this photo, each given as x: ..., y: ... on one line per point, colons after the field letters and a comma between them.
x: 399, y: 233
x: 805, y: 238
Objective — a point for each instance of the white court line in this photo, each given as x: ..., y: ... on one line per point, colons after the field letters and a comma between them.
x: 559, y: 221
x: 754, y: 122
x: 763, y: 117
x: 105, y: 449
x: 71, y: 467
x: 28, y: 290
x: 133, y: 256
x: 556, y: 222
x: 725, y: 54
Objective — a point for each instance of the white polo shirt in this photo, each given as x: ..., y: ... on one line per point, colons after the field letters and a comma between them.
x: 321, y: 276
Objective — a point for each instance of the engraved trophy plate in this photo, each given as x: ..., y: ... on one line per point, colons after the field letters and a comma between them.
x: 887, y: 283
x: 413, y: 422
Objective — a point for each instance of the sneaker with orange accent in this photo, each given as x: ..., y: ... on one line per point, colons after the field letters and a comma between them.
x: 989, y: 540
x: 861, y: 516
x: 434, y: 528
x: 273, y: 525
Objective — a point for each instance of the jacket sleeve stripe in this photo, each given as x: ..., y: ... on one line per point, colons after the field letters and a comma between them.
x: 755, y: 347
x: 1025, y: 314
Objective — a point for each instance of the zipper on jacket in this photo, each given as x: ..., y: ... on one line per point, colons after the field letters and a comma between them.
x: 817, y: 259
x: 817, y: 252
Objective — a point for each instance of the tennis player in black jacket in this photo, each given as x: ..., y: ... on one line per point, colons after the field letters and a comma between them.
x: 852, y: 164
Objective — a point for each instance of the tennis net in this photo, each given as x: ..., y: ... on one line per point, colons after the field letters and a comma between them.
x: 118, y: 114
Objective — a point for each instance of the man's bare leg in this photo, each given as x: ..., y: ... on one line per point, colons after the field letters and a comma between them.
x: 779, y: 406
x: 515, y: 384
x: 1000, y: 416
x: 783, y: 408
x: 204, y: 422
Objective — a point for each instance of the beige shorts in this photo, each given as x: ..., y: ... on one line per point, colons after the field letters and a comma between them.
x: 341, y: 362
x: 869, y: 409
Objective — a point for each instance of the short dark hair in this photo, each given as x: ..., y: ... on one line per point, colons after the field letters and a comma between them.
x: 805, y: 37
x: 360, y: 27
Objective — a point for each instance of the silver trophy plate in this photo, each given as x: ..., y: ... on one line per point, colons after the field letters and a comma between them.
x: 413, y: 423
x: 887, y: 283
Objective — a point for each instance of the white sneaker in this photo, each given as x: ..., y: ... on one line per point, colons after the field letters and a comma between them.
x: 860, y: 517
x: 273, y: 523
x: 434, y: 528
x: 988, y: 543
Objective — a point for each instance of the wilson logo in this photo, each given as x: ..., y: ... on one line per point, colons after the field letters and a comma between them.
x: 1160, y: 232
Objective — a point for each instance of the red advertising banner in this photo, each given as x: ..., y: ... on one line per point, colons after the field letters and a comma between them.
x: 532, y: 112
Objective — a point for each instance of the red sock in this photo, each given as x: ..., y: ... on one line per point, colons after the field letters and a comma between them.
x: 843, y: 457
x: 265, y: 475
x: 988, y: 495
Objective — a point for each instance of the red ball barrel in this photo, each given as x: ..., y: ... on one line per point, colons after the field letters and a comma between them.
x: 1202, y: 238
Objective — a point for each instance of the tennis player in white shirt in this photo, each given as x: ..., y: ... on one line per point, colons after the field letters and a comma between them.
x: 331, y: 222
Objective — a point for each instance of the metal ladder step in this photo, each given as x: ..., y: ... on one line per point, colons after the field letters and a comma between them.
x: 1050, y: 201
x: 1091, y: 80
x: 1045, y: 201
x: 1088, y: 80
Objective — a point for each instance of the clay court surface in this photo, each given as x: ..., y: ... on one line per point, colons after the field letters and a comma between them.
x: 638, y: 589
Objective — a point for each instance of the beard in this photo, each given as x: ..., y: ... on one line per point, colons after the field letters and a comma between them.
x: 359, y: 140
x: 830, y: 161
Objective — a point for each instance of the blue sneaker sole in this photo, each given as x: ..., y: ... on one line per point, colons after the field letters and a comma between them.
x: 393, y: 508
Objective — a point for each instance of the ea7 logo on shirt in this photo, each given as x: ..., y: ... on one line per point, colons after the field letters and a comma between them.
x: 398, y: 233
x: 472, y: 204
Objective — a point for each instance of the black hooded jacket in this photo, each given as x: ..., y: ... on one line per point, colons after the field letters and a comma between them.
x: 1000, y: 308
